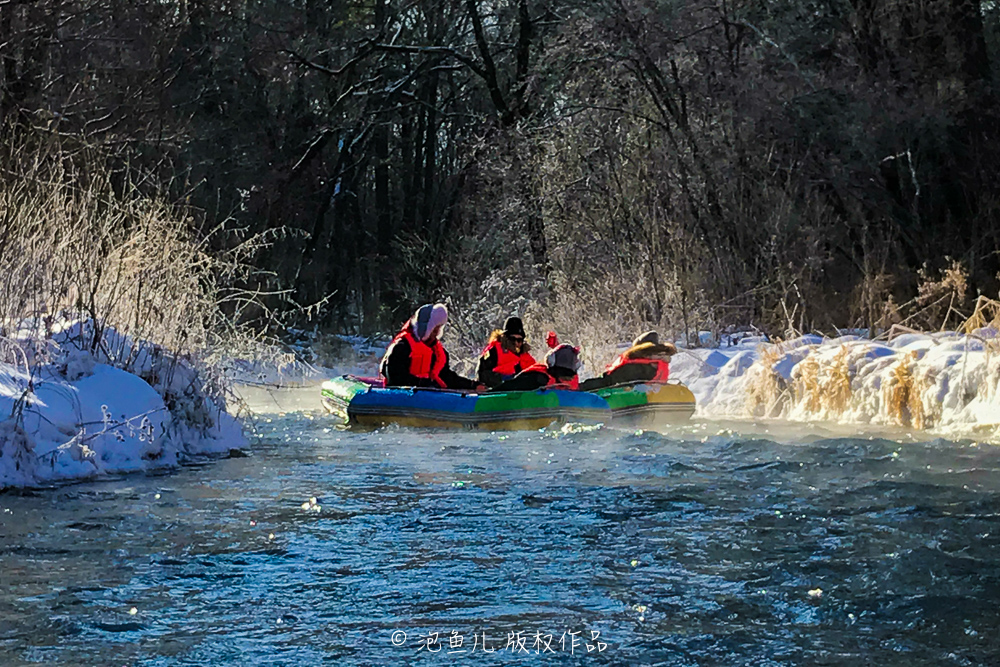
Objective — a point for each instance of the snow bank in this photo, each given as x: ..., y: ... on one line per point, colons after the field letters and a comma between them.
x: 275, y: 384
x: 943, y: 381
x: 309, y: 358
x: 67, y: 413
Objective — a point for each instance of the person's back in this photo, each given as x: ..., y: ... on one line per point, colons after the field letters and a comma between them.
x: 506, y: 354
x: 558, y: 372
x: 647, y: 360
x: 416, y: 357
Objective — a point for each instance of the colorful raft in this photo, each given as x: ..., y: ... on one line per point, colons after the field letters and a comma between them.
x: 364, y: 402
x: 648, y: 405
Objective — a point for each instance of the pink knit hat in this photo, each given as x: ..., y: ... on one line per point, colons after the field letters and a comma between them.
x: 427, y: 319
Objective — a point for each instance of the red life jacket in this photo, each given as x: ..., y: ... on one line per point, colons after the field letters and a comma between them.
x: 662, y: 367
x: 554, y: 383
x: 426, y: 360
x: 509, y: 363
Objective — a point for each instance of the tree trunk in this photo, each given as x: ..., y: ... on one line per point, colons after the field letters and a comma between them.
x: 430, y: 151
x: 380, y: 138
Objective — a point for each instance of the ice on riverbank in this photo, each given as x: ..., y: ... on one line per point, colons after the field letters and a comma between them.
x: 67, y: 412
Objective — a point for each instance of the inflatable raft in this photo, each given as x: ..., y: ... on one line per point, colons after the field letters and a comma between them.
x: 365, y: 402
x: 648, y: 405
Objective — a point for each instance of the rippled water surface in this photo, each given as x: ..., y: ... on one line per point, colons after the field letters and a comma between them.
x: 696, y: 548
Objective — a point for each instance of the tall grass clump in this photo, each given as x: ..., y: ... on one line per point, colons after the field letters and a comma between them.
x: 85, y: 238
x: 822, y: 383
x: 766, y: 391
x: 837, y: 387
x: 902, y: 394
x: 806, y: 384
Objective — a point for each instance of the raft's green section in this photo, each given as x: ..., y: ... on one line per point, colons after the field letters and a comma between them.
x: 516, y: 401
x: 622, y: 397
x: 344, y: 389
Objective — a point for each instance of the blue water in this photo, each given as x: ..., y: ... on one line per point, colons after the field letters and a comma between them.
x: 697, y: 548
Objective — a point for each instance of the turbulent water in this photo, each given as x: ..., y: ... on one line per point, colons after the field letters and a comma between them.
x: 700, y: 547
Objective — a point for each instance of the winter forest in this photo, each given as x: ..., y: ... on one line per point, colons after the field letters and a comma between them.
x: 791, y: 166
x: 237, y: 237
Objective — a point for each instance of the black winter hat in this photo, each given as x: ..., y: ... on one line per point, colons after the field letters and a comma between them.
x: 513, y: 327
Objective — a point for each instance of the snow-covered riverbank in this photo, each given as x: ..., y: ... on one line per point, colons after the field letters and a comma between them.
x: 943, y: 382
x: 67, y: 413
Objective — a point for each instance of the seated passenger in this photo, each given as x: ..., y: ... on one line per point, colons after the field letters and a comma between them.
x: 506, y: 355
x: 647, y: 360
x: 558, y: 372
x: 416, y: 358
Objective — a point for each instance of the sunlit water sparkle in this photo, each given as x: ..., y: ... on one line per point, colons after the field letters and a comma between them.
x: 702, y: 547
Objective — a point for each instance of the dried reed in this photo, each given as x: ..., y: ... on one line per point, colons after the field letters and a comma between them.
x: 80, y: 240
x: 806, y: 386
x: 837, y: 387
x: 767, y: 388
x: 902, y: 395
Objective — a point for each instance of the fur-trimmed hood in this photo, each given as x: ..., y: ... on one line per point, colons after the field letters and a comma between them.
x: 498, y: 335
x: 650, y: 351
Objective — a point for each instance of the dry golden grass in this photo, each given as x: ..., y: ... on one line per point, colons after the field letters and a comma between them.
x: 902, y: 395
x: 767, y: 387
x: 918, y: 416
x: 837, y: 387
x: 897, y: 393
x: 806, y: 385
x: 986, y: 314
x: 819, y: 387
x: 78, y: 240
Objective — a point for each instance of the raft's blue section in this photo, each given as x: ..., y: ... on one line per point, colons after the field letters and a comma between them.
x: 417, y: 400
x: 356, y: 401
x: 429, y: 400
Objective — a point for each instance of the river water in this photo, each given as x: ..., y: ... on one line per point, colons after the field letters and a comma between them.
x: 703, y: 546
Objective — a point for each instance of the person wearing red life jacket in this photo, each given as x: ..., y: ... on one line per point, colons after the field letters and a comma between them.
x: 558, y: 372
x: 506, y: 354
x: 416, y: 357
x: 647, y: 360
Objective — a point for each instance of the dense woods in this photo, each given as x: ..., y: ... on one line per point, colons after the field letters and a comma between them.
x: 671, y: 163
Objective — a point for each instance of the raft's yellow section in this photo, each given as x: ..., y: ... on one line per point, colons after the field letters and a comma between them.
x: 648, y: 405
x: 671, y: 393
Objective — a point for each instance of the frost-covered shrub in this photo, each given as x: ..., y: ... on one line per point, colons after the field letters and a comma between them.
x: 17, y: 460
x: 109, y: 297
x: 83, y: 243
x: 79, y: 414
x: 471, y: 320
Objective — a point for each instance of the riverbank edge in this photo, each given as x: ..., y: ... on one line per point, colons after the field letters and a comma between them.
x: 74, y: 411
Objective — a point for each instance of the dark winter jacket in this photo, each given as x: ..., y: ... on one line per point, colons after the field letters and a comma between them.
x: 490, y: 359
x: 530, y: 380
x: 619, y: 373
x: 623, y: 375
x: 395, y: 368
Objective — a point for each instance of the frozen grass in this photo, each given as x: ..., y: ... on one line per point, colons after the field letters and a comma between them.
x: 100, y: 277
x: 78, y: 237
